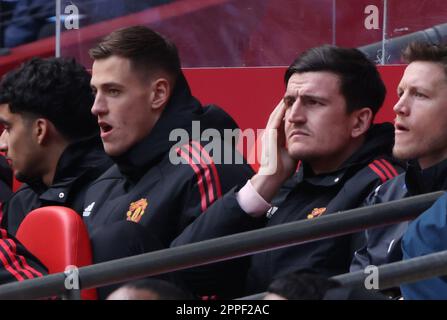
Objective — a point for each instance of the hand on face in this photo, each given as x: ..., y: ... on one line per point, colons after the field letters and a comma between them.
x: 276, y: 163
x: 275, y: 160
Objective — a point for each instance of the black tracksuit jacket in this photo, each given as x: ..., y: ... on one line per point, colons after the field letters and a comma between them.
x: 79, y: 165
x: 303, y: 196
x: 383, y: 244
x: 16, y: 263
x: 145, y: 187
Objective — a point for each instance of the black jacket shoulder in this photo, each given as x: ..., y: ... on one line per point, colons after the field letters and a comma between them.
x: 80, y: 164
x: 383, y: 244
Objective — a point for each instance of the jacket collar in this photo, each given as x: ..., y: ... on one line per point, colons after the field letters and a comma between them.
x: 432, y: 179
x: 77, y: 159
x: 379, y: 142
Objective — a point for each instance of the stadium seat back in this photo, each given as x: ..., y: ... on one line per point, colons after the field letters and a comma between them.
x: 58, y: 237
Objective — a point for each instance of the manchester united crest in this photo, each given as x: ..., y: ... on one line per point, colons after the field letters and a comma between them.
x: 136, y: 210
x: 316, y: 212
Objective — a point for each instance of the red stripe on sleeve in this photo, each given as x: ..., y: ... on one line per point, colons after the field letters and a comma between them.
x: 212, y: 165
x: 390, y: 167
x: 23, y: 260
x: 12, y: 254
x: 206, y: 171
x: 378, y: 172
x: 12, y: 269
x: 199, y: 177
x: 387, y: 172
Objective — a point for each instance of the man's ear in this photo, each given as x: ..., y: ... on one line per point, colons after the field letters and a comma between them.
x: 361, y: 121
x: 161, y: 91
x: 41, y: 130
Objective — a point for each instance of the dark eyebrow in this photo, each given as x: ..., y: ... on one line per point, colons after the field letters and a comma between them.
x: 106, y: 85
x: 289, y: 99
x: 312, y: 97
x: 112, y: 84
x: 4, y: 122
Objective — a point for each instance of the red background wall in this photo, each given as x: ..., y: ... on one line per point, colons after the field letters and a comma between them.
x: 250, y: 94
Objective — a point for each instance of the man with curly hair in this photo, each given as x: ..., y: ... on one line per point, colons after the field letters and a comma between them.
x: 50, y: 136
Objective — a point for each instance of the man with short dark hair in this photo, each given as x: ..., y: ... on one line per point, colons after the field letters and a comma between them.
x: 323, y: 124
x: 421, y: 138
x: 142, y: 98
x: 50, y: 137
x: 421, y: 135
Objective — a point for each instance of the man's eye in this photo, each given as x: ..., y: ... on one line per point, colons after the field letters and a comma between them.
x: 420, y: 95
x: 289, y: 102
x: 313, y: 102
x: 114, y: 92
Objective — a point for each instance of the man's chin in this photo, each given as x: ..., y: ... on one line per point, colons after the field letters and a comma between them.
x: 402, y: 154
x: 110, y: 149
x: 115, y: 151
x: 298, y: 155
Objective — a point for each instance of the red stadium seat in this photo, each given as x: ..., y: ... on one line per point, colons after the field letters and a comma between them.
x: 58, y: 237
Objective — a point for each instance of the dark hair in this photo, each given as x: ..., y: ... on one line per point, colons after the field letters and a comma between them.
x: 361, y: 84
x: 302, y: 286
x: 421, y: 51
x: 56, y: 89
x: 164, y: 290
x: 146, y: 49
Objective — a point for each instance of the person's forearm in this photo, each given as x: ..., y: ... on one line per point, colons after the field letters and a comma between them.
x: 266, y: 186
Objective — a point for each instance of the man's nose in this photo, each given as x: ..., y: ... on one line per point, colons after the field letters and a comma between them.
x: 296, y: 113
x: 4, y: 142
x: 99, y: 106
x: 401, y: 107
